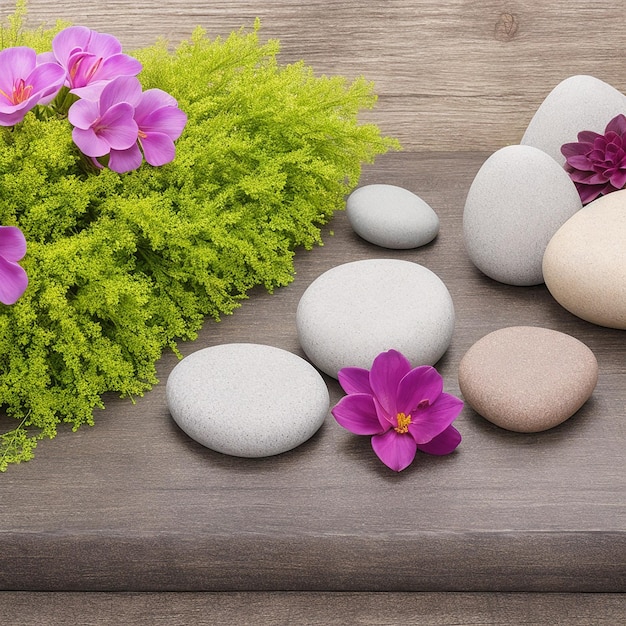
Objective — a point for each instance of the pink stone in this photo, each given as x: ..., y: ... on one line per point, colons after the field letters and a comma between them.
x: 527, y: 379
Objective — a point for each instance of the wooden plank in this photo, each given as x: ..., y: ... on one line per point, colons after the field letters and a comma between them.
x: 452, y: 75
x: 313, y: 609
x: 134, y: 504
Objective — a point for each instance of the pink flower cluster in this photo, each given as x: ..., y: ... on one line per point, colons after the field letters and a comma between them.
x: 114, y: 120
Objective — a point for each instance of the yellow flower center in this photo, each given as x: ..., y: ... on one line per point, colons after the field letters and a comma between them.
x: 21, y: 92
x: 403, y: 423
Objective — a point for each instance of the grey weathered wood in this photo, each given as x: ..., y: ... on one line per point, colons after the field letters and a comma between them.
x: 451, y: 75
x: 133, y: 504
x: 312, y: 609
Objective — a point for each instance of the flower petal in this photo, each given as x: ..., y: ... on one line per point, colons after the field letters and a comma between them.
x: 167, y: 120
x: 122, y: 89
x: 13, y: 281
x: 588, y: 136
x: 83, y: 113
x: 588, y: 193
x: 574, y: 149
x: 12, y: 243
x: 122, y: 161
x: 355, y: 380
x: 420, y: 384
x: 580, y: 162
x: 90, y: 143
x: 432, y: 420
x: 46, y: 79
x: 356, y: 413
x: 387, y: 371
x: 394, y: 450
x: 16, y: 63
x: 151, y: 100
x: 443, y: 443
x: 68, y: 41
x: 158, y: 149
x: 618, y: 178
x: 616, y: 125
x: 117, y: 127
x: 103, y: 44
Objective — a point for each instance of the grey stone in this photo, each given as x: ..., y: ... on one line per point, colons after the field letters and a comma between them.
x: 247, y: 400
x: 584, y: 264
x: 391, y: 216
x: 578, y: 103
x: 351, y: 313
x: 519, y: 198
x: 527, y: 379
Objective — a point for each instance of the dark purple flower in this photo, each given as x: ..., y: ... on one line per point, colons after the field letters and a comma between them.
x: 13, y: 279
x: 90, y: 59
x: 160, y: 123
x: 597, y: 163
x: 107, y: 123
x: 403, y: 408
x: 24, y: 84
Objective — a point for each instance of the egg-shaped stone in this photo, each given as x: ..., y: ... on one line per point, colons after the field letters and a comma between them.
x: 577, y: 103
x: 391, y: 216
x: 527, y: 379
x: 584, y: 264
x: 519, y: 198
x: 354, y: 311
x: 247, y: 400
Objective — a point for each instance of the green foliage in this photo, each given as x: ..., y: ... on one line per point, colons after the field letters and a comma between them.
x: 122, y: 266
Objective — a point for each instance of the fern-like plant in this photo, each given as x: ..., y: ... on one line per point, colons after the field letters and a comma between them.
x: 121, y: 266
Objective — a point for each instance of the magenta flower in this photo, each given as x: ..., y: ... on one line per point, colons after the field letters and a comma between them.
x: 13, y: 279
x: 107, y: 123
x: 90, y: 59
x: 160, y: 123
x: 24, y: 84
x: 404, y: 409
x: 597, y: 163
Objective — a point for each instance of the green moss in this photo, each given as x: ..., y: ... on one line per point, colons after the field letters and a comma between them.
x: 123, y: 266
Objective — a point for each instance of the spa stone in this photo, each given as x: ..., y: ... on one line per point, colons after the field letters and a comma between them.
x: 527, y: 379
x: 517, y: 201
x: 575, y: 104
x: 247, y: 400
x: 584, y: 264
x: 391, y: 217
x: 354, y: 311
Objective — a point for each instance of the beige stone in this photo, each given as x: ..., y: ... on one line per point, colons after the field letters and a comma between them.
x: 584, y: 265
x: 527, y: 379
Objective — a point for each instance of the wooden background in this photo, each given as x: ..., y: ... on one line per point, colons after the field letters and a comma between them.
x: 133, y: 505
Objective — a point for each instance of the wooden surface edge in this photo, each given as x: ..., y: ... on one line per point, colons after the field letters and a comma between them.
x: 557, y: 562
x: 323, y: 609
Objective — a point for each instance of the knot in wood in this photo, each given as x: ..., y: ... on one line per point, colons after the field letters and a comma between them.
x: 506, y: 27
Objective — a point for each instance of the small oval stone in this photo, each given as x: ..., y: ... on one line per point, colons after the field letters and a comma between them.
x: 517, y: 201
x: 354, y: 311
x: 585, y: 262
x: 527, y: 379
x: 247, y: 400
x: 391, y: 217
x: 577, y: 103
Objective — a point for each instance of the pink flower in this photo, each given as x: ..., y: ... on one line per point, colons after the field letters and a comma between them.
x: 107, y: 123
x: 24, y: 84
x: 13, y: 279
x: 160, y: 123
x: 597, y: 163
x: 90, y: 59
x: 404, y: 409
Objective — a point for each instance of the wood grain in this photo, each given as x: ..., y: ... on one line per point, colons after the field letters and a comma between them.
x: 312, y: 609
x: 134, y: 504
x: 453, y: 75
